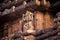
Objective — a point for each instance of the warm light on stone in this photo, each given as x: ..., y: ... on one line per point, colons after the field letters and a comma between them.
x: 37, y: 2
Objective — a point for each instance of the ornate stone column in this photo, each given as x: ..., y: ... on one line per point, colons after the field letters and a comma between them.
x: 58, y: 23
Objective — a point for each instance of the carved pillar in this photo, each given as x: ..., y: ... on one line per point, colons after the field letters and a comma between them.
x: 58, y: 23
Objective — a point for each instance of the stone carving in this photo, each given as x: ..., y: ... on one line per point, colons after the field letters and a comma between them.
x: 28, y: 25
x: 28, y: 19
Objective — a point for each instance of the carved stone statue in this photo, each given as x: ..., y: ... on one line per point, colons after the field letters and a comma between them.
x: 28, y: 21
x: 28, y: 24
